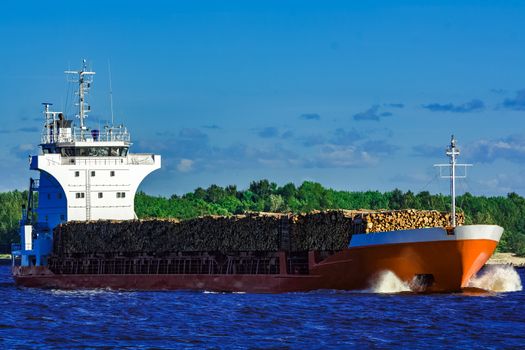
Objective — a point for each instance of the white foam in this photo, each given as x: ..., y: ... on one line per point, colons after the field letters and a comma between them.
x: 79, y: 293
x: 497, y: 278
x: 388, y: 282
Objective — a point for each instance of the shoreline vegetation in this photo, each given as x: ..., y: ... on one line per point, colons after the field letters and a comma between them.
x: 263, y: 195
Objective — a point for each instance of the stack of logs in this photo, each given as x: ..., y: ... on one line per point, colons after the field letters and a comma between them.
x: 391, y: 220
x: 319, y: 230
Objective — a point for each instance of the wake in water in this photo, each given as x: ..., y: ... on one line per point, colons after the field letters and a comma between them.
x: 82, y: 292
x: 388, y: 282
x: 497, y: 278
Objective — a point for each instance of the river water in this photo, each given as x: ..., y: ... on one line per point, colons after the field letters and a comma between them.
x: 384, y: 317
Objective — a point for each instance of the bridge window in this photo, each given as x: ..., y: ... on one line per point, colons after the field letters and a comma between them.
x: 94, y: 151
x: 67, y: 152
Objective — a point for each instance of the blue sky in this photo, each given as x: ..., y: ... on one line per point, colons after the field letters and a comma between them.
x: 354, y: 95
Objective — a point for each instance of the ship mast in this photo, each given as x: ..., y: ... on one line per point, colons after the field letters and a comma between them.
x: 452, y: 152
x: 85, y: 78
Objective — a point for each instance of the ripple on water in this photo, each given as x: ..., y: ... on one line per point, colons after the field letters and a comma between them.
x: 320, y: 319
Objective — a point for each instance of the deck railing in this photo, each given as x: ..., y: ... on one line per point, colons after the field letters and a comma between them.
x: 75, y: 134
x: 197, y: 264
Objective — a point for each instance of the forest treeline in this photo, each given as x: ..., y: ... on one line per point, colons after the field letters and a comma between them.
x: 263, y: 195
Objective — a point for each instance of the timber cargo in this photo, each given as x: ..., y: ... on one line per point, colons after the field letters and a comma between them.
x: 252, y: 232
x: 79, y: 230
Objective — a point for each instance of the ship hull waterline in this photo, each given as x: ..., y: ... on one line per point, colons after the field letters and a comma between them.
x: 450, y: 263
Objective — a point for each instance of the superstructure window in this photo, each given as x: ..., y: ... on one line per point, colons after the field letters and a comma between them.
x: 77, y: 173
x: 67, y: 152
x: 111, y: 173
x: 93, y: 151
x: 118, y: 151
x: 49, y: 196
x: 121, y: 194
x: 80, y: 195
x: 92, y: 173
x: 100, y: 195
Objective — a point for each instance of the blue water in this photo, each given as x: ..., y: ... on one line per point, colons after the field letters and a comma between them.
x: 32, y: 318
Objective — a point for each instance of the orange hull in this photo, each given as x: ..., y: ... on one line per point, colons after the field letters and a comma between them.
x: 451, y: 264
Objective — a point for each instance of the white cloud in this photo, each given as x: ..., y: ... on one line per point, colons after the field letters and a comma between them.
x: 192, y: 151
x: 339, y: 156
x: 185, y: 165
x: 511, y: 148
x: 502, y: 184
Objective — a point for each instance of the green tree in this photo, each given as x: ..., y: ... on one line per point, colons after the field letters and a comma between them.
x: 215, y: 194
x: 262, y: 188
x: 288, y: 191
x: 396, y: 200
x: 276, y: 203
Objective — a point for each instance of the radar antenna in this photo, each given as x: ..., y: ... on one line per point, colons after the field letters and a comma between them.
x: 84, y: 80
x: 452, y: 152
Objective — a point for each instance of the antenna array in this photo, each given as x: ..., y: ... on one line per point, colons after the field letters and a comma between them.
x: 84, y: 80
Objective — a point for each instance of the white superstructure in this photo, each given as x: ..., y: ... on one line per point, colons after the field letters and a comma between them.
x: 85, y: 174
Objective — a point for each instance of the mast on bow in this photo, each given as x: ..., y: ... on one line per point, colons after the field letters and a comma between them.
x: 452, y: 152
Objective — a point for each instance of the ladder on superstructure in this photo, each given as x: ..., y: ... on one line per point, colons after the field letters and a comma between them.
x: 33, y: 187
x: 88, y: 195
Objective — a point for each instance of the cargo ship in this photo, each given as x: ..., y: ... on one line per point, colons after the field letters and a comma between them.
x: 90, y: 176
